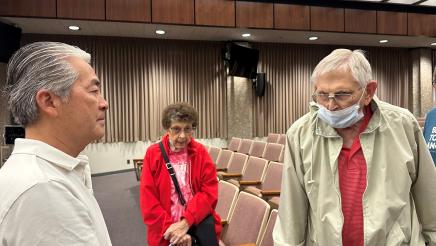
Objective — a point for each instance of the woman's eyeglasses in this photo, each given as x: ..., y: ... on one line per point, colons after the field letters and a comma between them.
x: 177, y: 130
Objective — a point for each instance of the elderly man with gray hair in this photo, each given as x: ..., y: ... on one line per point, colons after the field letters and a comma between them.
x: 357, y: 170
x: 46, y: 194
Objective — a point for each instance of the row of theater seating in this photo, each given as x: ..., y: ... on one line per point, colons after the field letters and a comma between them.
x: 269, y: 151
x: 243, y: 145
x: 246, y: 218
x: 276, y: 138
x: 257, y: 175
x: 250, y: 174
x: 260, y: 176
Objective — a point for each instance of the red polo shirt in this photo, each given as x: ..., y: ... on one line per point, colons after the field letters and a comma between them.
x: 352, y: 184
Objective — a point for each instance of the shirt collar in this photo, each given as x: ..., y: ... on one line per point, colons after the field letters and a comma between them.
x: 48, y: 153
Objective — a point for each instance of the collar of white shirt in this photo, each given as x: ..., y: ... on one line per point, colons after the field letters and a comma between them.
x: 48, y: 153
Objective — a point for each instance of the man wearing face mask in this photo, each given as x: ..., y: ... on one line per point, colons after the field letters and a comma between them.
x: 357, y: 170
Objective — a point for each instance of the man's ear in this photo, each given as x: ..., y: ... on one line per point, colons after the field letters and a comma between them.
x: 371, y: 87
x: 48, y: 103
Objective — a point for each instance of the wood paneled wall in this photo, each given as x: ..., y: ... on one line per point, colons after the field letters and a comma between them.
x: 81, y: 9
x: 28, y: 8
x: 215, y: 13
x: 327, y: 19
x: 172, y: 11
x: 360, y: 21
x: 257, y: 15
x: 391, y: 23
x: 128, y: 10
x: 421, y: 24
x: 293, y: 17
x: 229, y: 13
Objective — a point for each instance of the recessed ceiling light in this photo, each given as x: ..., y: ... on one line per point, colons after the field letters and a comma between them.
x: 313, y: 38
x: 246, y: 35
x: 160, y: 32
x: 74, y: 28
x: 433, y: 44
x: 383, y: 41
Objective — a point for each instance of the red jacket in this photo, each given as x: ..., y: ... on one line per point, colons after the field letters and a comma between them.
x: 155, y: 191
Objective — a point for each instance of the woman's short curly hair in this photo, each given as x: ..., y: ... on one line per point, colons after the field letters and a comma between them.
x: 179, y: 112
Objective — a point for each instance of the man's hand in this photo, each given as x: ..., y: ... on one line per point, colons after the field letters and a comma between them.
x: 177, y: 232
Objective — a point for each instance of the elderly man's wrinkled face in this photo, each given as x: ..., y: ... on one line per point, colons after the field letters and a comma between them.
x: 337, y: 90
x: 180, y: 134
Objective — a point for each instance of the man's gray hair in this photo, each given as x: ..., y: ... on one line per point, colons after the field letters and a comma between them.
x: 345, y: 60
x: 36, y: 66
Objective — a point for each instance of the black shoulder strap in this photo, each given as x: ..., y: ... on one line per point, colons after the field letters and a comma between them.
x: 172, y: 173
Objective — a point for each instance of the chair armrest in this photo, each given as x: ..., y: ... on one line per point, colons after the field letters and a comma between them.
x: 224, y: 222
x: 270, y: 192
x: 231, y: 175
x: 224, y: 169
x: 250, y: 182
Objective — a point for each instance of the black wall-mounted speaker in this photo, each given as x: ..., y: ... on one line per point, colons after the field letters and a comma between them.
x: 9, y: 41
x: 241, y: 61
x: 259, y: 84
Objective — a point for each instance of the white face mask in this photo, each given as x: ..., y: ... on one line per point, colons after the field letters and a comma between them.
x: 341, y: 118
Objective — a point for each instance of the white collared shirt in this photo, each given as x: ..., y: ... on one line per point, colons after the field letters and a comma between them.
x: 46, y: 199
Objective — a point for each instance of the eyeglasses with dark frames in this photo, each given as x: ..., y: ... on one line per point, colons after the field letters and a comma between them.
x: 340, y: 97
x: 178, y: 130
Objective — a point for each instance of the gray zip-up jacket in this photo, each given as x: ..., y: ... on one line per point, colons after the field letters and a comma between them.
x: 399, y: 203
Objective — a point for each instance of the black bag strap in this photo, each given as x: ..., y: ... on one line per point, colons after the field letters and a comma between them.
x: 172, y: 173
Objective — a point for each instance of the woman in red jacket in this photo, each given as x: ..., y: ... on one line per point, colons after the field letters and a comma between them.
x: 166, y: 218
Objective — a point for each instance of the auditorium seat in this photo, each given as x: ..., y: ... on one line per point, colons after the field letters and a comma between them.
x: 282, y: 139
x: 235, y: 168
x: 271, y: 183
x: 282, y: 156
x: 257, y: 148
x: 227, y: 195
x: 274, y: 202
x: 267, y: 239
x: 253, y: 172
x: 223, y: 159
x: 245, y: 146
x: 272, y: 151
x: 234, y: 144
x: 247, y: 221
x: 214, y: 153
x: 272, y: 138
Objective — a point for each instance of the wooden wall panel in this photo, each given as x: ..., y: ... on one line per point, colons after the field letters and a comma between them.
x: 421, y: 24
x: 215, y: 12
x: 360, y: 21
x: 128, y: 10
x: 81, y: 9
x: 394, y: 23
x: 28, y: 8
x: 294, y: 17
x: 172, y: 11
x: 326, y: 19
x: 252, y: 14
